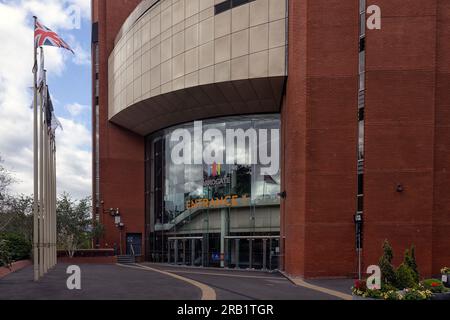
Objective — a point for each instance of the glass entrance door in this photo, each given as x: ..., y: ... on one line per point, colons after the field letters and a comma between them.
x: 186, y: 251
x: 258, y: 253
x: 134, y: 244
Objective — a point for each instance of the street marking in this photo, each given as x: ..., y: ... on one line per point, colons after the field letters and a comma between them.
x: 208, y: 293
x: 304, y: 284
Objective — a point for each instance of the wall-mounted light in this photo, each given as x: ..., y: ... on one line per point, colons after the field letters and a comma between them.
x: 114, y: 212
x: 282, y: 195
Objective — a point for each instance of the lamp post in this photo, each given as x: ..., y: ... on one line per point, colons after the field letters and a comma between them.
x: 120, y: 226
x: 359, y: 231
x: 115, y: 213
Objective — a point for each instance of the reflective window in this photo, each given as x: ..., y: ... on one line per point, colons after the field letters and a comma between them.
x: 205, y: 210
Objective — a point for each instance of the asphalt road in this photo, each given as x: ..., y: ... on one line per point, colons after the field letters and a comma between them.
x: 112, y: 282
x: 245, y: 285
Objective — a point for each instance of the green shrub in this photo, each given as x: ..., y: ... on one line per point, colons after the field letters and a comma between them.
x: 405, y: 277
x: 434, y: 285
x: 410, y: 261
x: 5, y: 254
x: 16, y: 246
x: 385, y: 264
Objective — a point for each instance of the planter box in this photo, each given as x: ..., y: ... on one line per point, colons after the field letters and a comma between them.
x: 362, y: 298
x: 441, y: 296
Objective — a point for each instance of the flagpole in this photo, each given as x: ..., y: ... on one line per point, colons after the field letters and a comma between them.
x: 41, y: 187
x: 46, y: 174
x: 52, y: 199
x: 49, y: 212
x: 49, y: 199
x: 45, y: 195
x: 55, y: 195
x: 52, y: 239
x: 35, y: 168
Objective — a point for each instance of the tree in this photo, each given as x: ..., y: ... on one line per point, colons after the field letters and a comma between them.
x: 405, y: 277
x: 98, y: 231
x: 5, y: 182
x: 410, y: 261
x: 17, y: 217
x: 5, y: 254
x: 74, y: 223
x: 387, y: 269
x: 407, y: 273
x: 18, y: 247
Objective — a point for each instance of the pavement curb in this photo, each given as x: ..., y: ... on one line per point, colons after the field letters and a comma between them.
x: 302, y: 283
x: 16, y: 266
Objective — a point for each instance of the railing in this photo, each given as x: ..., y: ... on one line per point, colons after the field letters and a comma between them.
x: 132, y: 250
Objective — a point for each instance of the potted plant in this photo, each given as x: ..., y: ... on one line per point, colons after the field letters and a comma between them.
x: 446, y: 276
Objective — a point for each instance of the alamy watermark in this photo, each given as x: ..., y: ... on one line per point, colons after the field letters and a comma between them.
x: 74, y: 280
x: 374, y: 20
x: 73, y: 12
x: 236, y: 147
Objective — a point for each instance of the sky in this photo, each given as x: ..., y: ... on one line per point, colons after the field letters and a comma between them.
x: 69, y: 80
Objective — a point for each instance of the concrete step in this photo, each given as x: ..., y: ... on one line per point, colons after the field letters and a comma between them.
x: 125, y: 259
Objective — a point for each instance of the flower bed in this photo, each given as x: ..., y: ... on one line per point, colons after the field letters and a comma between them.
x: 419, y: 293
x: 402, y: 283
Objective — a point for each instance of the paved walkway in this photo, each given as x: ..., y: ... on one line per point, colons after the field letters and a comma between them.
x: 99, y: 282
x: 244, y: 285
x: 157, y: 282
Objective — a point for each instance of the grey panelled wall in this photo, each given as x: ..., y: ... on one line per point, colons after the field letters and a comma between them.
x: 177, y: 60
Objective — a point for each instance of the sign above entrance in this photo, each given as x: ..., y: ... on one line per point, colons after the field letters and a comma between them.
x: 224, y: 202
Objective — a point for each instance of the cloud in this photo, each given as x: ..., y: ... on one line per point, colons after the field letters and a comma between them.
x: 56, y: 14
x: 82, y: 56
x: 74, y: 158
x: 76, y: 109
x: 16, y: 129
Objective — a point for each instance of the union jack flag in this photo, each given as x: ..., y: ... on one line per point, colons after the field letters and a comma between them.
x: 43, y: 36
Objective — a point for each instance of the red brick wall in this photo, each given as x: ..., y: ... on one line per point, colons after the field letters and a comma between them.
x: 441, y: 213
x: 88, y: 260
x: 121, y: 152
x: 293, y: 118
x: 320, y: 154
x: 407, y: 133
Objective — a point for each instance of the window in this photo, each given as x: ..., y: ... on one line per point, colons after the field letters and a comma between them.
x: 360, y: 184
x: 228, y: 5
x: 222, y: 7
x: 362, y: 44
x: 192, y: 207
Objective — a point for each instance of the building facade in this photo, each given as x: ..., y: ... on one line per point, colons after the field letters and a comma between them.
x: 345, y: 132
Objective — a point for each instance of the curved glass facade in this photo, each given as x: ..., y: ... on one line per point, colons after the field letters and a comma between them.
x: 219, y: 205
